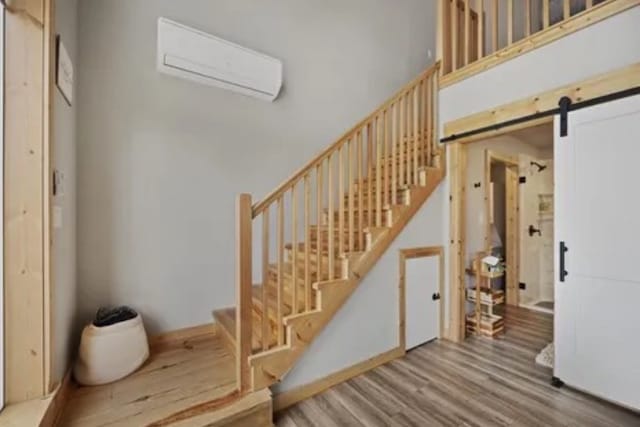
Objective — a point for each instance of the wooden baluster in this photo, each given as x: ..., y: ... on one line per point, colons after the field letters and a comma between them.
x: 545, y: 13
x: 494, y: 26
x: 454, y: 33
x: 566, y: 10
x: 480, y: 10
x: 416, y: 130
x: 467, y: 32
x: 350, y: 179
x: 370, y: 174
x: 509, y: 22
x: 435, y: 147
x: 527, y: 18
x: 280, y: 291
x: 409, y: 137
x: 403, y: 128
x: 589, y: 4
x: 429, y: 128
x: 307, y: 245
x: 265, y: 279
x: 386, y: 154
x: 319, y: 221
x: 332, y: 217
x: 341, y: 199
x: 378, y: 207
x: 294, y: 249
x: 394, y: 153
x: 244, y: 287
x: 360, y: 242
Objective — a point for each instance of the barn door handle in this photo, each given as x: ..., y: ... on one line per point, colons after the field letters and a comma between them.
x: 436, y: 296
x: 563, y: 271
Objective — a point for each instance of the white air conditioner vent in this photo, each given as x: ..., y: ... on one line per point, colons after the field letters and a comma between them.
x: 192, y: 54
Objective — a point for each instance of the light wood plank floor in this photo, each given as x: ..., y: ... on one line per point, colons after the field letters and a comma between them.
x: 192, y: 373
x: 480, y: 382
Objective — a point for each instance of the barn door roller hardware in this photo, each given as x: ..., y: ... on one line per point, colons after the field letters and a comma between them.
x: 565, y: 105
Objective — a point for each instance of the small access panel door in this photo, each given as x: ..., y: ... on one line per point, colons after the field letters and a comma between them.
x: 597, y: 251
x: 422, y: 300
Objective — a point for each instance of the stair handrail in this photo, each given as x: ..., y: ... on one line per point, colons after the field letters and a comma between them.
x: 259, y: 207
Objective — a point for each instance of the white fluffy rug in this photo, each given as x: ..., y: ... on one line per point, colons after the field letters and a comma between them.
x: 545, y: 357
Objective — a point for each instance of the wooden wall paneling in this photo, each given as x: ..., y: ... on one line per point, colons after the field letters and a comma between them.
x: 28, y: 281
x: 457, y: 244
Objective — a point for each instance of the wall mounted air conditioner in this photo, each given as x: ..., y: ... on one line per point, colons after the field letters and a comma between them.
x: 194, y: 55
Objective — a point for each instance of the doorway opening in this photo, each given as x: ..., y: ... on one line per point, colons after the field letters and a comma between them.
x: 508, y: 207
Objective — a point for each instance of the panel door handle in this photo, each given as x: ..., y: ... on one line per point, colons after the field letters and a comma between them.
x: 436, y: 296
x: 563, y: 272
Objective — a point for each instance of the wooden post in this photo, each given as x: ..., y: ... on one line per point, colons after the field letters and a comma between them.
x: 545, y: 13
x: 566, y: 10
x: 467, y: 31
x: 494, y: 25
x: 244, y: 302
x: 509, y: 22
x: 480, y: 11
x: 440, y: 34
x: 527, y: 18
x: 454, y: 34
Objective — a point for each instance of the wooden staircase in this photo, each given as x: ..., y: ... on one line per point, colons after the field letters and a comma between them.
x: 324, y: 228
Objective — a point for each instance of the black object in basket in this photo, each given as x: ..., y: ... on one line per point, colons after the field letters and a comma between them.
x: 107, y: 316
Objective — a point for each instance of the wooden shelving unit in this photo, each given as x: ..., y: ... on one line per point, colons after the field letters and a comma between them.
x: 485, y: 299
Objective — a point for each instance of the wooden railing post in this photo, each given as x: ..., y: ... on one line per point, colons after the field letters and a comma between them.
x: 243, y: 291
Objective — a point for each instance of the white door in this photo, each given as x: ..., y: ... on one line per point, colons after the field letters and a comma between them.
x: 422, y: 311
x: 597, y: 217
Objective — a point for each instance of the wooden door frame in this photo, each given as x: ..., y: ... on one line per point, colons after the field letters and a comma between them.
x: 29, y: 59
x: 511, y: 245
x: 414, y: 253
x: 624, y: 78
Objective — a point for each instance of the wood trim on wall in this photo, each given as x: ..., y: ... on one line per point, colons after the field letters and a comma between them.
x: 457, y: 243
x: 575, y: 23
x: 290, y: 397
x: 594, y: 87
x: 413, y: 253
x: 27, y: 280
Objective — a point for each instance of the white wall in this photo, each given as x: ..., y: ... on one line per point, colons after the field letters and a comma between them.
x: 368, y: 323
x: 608, y: 45
x: 161, y: 160
x: 64, y: 238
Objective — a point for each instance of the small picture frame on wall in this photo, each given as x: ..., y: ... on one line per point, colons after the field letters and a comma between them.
x: 64, y: 71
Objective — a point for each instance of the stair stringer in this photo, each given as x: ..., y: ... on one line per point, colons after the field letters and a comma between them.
x: 270, y: 367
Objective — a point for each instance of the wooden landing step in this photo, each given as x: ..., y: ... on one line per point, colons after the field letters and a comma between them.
x: 186, y: 382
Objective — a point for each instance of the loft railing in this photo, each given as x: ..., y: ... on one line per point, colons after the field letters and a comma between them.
x: 476, y: 30
x: 323, y: 210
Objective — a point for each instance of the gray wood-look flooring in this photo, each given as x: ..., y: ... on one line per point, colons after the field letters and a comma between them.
x: 480, y: 382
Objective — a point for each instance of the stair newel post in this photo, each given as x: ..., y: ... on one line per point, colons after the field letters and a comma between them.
x: 243, y: 290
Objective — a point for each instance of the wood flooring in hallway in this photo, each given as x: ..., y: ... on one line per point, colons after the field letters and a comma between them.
x: 480, y: 382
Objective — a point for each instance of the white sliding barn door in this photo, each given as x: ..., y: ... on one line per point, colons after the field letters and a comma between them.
x: 597, y: 216
x: 422, y: 311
